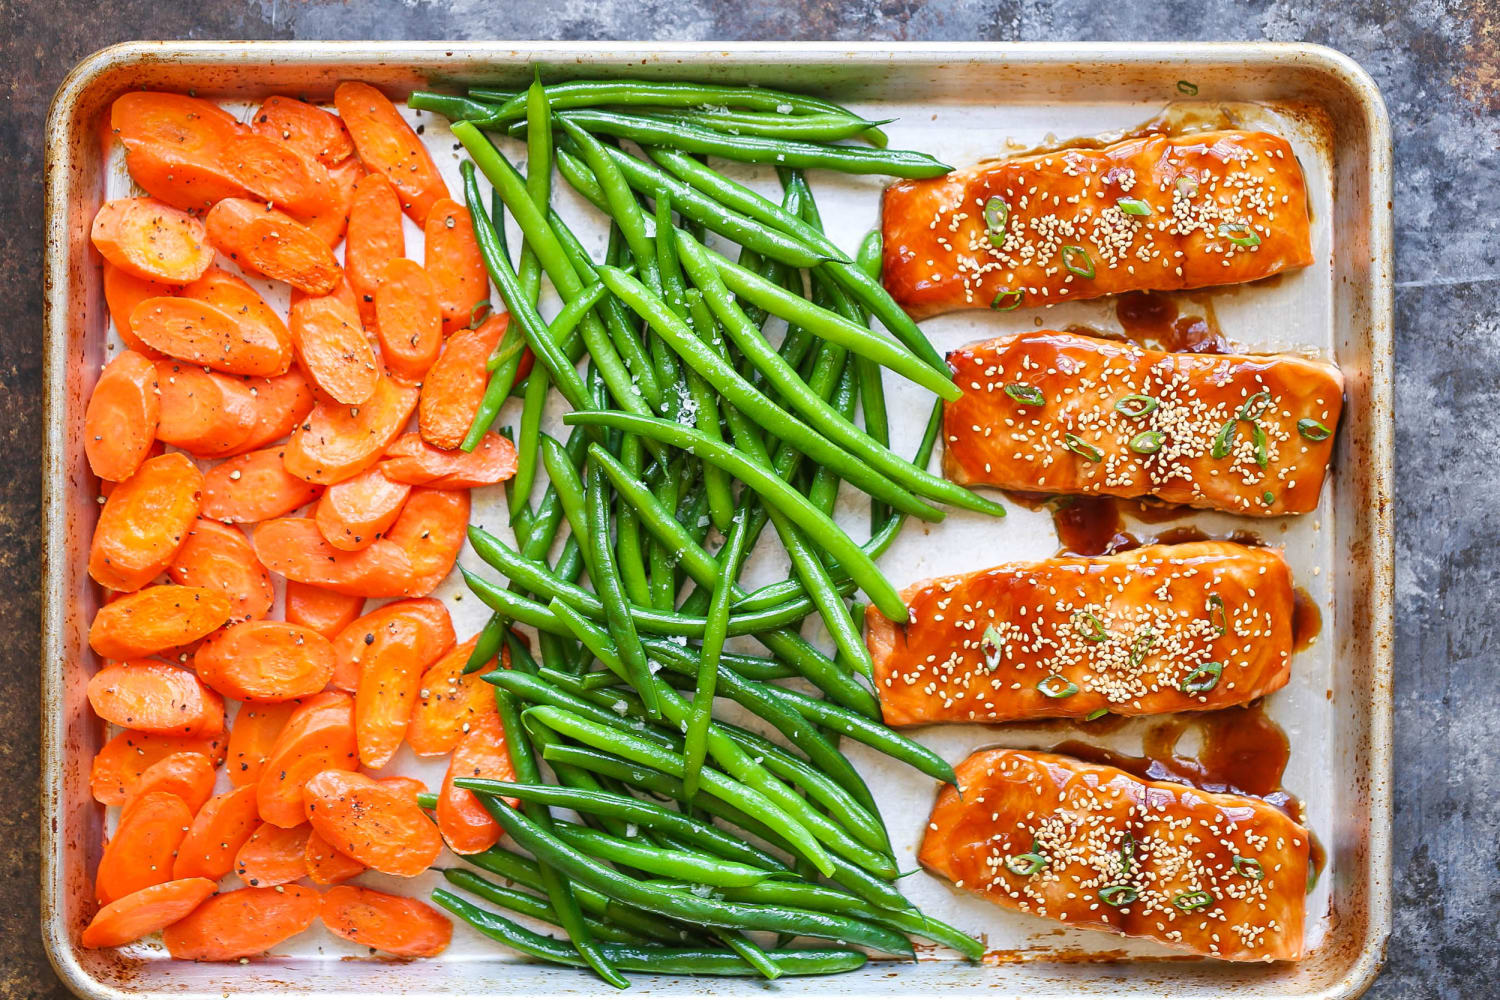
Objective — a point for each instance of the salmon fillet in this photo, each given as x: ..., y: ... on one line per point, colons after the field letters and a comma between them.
x: 1156, y: 212
x: 1088, y: 845
x: 1053, y: 412
x: 1163, y: 628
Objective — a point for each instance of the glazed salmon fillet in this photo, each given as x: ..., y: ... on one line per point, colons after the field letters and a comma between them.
x: 1155, y: 212
x: 1092, y: 846
x: 1163, y: 628
x: 1063, y: 413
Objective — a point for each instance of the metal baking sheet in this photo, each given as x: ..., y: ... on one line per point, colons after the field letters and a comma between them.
x: 962, y: 102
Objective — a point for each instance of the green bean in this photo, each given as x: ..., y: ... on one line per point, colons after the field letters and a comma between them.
x: 824, y: 490
x: 696, y: 734
x: 538, y: 909
x: 486, y: 644
x: 535, y: 398
x: 872, y: 734
x: 823, y: 127
x: 538, y: 691
x: 647, y: 958
x: 757, y: 149
x: 672, y: 864
x: 570, y: 494
x: 450, y: 106
x: 538, y: 177
x: 581, y: 178
x: 606, y: 582
x: 751, y: 952
x: 623, y: 207
x: 628, y: 548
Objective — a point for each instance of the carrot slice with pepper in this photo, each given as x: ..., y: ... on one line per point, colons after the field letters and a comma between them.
x: 318, y: 737
x: 140, y: 853
x: 256, y: 728
x: 152, y: 240
x: 409, y: 459
x: 200, y: 332
x: 270, y: 242
x: 403, y: 785
x: 273, y: 855
x: 123, y: 291
x: 242, y: 923
x: 281, y: 402
x: 431, y: 529
x: 127, y: 755
x: 295, y: 548
x: 337, y: 442
x: 332, y: 347
x: 234, y: 296
x: 332, y: 222
x: 216, y: 835
x: 220, y: 556
x: 383, y: 655
x: 278, y: 173
x: 408, y: 319
x: 155, y: 698
x: 374, y: 239
x: 464, y: 823
x: 386, y: 144
x: 453, y: 262
x: 375, y: 825
x: 354, y: 513
x: 205, y: 413
x: 454, y: 386
x: 392, y: 924
x: 119, y: 423
x: 145, y: 911
x: 265, y: 661
x: 325, y: 865
x: 316, y: 607
x: 255, y: 487
x: 187, y: 775
x: 156, y: 619
x: 448, y: 701
x: 173, y: 144
x: 144, y: 522
x: 304, y: 126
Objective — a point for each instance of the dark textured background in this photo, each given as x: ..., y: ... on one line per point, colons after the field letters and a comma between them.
x: 1438, y: 63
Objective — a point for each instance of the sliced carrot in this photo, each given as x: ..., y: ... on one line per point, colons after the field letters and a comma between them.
x: 140, y: 853
x: 318, y: 737
x: 403, y: 785
x: 187, y: 775
x: 272, y: 243
x: 295, y: 548
x: 123, y: 291
x: 448, y: 701
x: 385, y: 143
x: 119, y: 423
x: 392, y: 924
x: 152, y: 240
x: 127, y: 755
x: 150, y: 621
x: 216, y: 835
x: 256, y: 728
x: 332, y: 222
x: 355, y: 512
x: 409, y: 459
x: 155, y: 698
x: 377, y: 826
x: 234, y: 296
x: 431, y: 529
x: 255, y: 487
x: 281, y: 402
x: 390, y: 647
x: 304, y: 126
x: 278, y: 173
x: 172, y: 146
x: 408, y: 319
x: 453, y: 262
x: 333, y: 349
x: 204, y: 334
x: 465, y: 824
x: 273, y: 855
x: 325, y: 610
x: 265, y: 661
x: 326, y: 866
x: 337, y: 442
x: 374, y: 239
x: 144, y: 522
x: 242, y: 923
x: 145, y: 911
x: 219, y: 556
x: 454, y: 386
x: 205, y: 413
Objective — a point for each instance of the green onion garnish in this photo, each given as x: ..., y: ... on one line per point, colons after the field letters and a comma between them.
x: 1190, y: 89
x: 1203, y: 679
x: 1132, y: 206
x: 1007, y: 299
x: 1189, y: 901
x: 1258, y: 436
x: 1224, y: 440
x: 1077, y: 445
x: 996, y: 217
x: 1268, y: 498
x: 1313, y: 430
x: 1024, y: 392
x: 1097, y: 713
x: 1218, y: 615
x: 1057, y: 686
x: 1026, y: 864
x: 1186, y: 186
x: 1146, y: 443
x: 1141, y: 647
x: 1249, y: 867
x: 1253, y: 407
x: 1240, y: 234
x: 1077, y: 260
x: 990, y: 647
x: 1136, y: 405
x: 479, y: 313
x: 1119, y: 895
x: 1096, y: 633
x: 1127, y: 851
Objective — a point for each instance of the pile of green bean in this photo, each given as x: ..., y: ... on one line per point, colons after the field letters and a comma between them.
x: 688, y: 423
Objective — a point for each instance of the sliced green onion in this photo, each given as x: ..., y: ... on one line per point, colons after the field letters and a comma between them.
x: 990, y: 647
x: 1119, y: 895
x: 479, y: 313
x: 1136, y: 404
x: 1186, y: 186
x: 1224, y: 440
x: 1268, y: 497
x: 1141, y: 647
x: 1249, y: 867
x: 1007, y: 299
x: 1190, y: 89
x: 1313, y: 430
x: 1146, y: 443
x: 1240, y: 234
x: 1190, y: 901
x: 1218, y: 615
x: 1203, y: 679
x: 996, y: 218
x: 1127, y: 851
x: 1057, y: 686
x: 1024, y: 392
x: 1132, y: 206
x: 1256, y: 405
x: 1078, y: 446
x: 1258, y: 438
x: 1026, y: 864
x: 1096, y: 633
x: 1097, y: 713
x: 1071, y: 256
